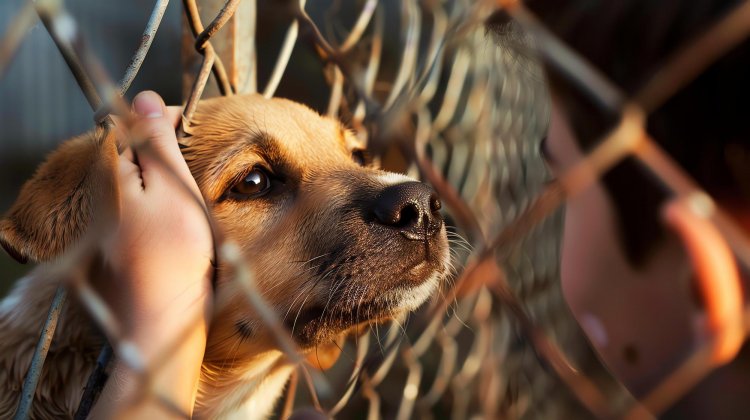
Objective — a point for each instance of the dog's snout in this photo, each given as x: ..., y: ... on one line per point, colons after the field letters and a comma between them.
x: 411, y: 207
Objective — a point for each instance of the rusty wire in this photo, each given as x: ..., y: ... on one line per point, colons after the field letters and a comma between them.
x: 146, y: 39
x: 40, y: 353
x: 484, y: 285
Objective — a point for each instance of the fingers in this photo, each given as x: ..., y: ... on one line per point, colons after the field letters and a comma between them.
x: 174, y: 113
x: 154, y: 140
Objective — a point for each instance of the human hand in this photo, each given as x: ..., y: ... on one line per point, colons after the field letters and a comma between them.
x: 160, y: 258
x: 162, y: 249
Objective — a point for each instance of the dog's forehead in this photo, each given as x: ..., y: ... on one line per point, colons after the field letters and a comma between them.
x: 292, y: 128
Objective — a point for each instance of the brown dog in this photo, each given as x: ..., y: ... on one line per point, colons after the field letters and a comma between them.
x: 332, y: 243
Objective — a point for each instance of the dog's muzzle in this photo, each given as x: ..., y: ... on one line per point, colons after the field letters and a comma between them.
x: 413, y: 208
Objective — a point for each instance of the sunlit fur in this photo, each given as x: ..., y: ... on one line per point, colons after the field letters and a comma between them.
x: 317, y: 256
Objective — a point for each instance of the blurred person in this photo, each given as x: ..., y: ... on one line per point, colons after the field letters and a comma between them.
x: 627, y: 277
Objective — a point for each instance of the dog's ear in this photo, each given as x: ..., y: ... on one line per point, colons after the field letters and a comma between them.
x: 59, y: 202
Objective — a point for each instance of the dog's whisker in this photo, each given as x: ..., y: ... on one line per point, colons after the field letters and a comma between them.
x: 454, y: 256
x: 401, y: 326
x: 310, y: 260
x: 460, y: 252
x: 457, y: 315
x: 234, y: 352
x: 463, y: 245
x: 333, y: 291
x: 328, y: 273
x: 336, y: 286
x: 458, y: 238
x: 302, y: 291
x: 394, y: 316
x: 301, y: 273
x: 302, y: 305
x: 441, y: 296
x: 359, y: 304
x: 332, y: 270
x: 291, y: 305
x: 450, y: 281
x: 375, y: 330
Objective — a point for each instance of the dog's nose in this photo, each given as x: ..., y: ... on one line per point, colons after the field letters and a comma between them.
x: 412, y: 207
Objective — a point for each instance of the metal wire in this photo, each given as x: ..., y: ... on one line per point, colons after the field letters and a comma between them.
x: 40, y: 354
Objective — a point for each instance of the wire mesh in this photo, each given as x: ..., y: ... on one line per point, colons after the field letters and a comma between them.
x: 466, y: 117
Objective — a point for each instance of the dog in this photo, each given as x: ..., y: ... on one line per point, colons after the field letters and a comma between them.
x: 334, y: 244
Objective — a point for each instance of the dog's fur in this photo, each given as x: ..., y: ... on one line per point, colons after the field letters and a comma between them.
x: 320, y: 258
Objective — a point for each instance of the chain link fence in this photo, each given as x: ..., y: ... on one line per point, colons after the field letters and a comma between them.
x: 436, y: 99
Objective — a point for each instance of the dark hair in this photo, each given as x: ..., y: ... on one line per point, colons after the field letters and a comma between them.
x: 628, y: 40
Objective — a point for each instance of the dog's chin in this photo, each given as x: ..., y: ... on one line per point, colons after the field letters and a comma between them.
x: 320, y: 324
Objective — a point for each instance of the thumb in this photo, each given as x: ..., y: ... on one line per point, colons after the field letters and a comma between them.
x: 155, y: 142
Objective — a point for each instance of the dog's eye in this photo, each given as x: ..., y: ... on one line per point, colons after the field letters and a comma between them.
x: 359, y: 157
x: 254, y: 184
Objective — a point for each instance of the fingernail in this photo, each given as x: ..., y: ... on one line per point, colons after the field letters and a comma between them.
x: 148, y: 104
